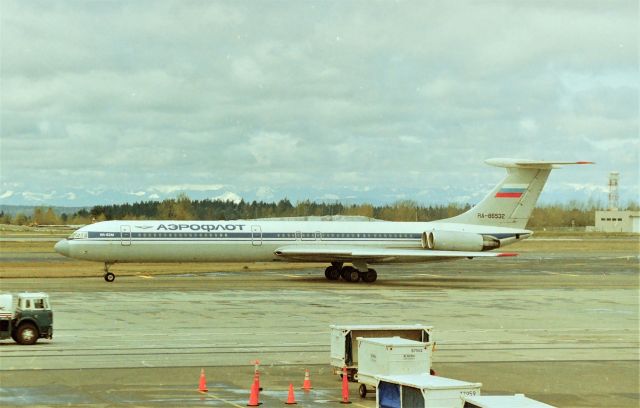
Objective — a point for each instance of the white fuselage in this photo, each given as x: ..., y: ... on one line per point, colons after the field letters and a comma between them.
x: 249, y: 240
x: 497, y: 220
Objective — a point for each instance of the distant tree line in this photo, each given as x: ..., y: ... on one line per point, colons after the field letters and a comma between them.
x: 572, y: 214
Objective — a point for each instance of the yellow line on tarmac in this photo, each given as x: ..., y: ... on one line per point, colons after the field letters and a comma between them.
x: 329, y: 396
x: 560, y: 273
x: 233, y: 404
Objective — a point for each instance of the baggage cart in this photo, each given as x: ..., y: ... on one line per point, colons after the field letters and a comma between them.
x: 390, y: 356
x: 344, y: 346
x: 503, y: 401
x: 423, y: 391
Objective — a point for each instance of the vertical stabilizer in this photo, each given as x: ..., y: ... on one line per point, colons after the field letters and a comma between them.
x: 511, y: 202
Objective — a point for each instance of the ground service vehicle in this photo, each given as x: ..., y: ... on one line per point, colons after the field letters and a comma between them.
x: 424, y: 391
x: 344, y: 341
x: 390, y: 356
x: 26, y: 317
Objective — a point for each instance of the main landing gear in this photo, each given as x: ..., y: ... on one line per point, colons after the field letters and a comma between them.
x: 108, y: 276
x: 350, y: 273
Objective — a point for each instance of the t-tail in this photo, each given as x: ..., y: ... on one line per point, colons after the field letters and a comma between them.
x: 511, y: 202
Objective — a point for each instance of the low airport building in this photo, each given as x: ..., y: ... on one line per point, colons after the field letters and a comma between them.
x: 617, y: 221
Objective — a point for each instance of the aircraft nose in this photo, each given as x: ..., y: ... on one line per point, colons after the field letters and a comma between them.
x: 62, y: 247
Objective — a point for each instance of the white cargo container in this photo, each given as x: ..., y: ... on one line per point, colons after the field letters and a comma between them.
x: 344, y: 346
x: 423, y: 391
x: 390, y: 356
x: 6, y: 306
x: 503, y: 401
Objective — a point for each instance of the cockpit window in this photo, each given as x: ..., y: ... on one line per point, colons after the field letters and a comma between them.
x: 79, y: 235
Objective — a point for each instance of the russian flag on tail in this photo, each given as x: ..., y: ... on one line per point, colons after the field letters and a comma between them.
x: 511, y: 191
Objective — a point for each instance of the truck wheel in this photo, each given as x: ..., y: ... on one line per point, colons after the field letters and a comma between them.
x: 109, y: 277
x: 27, y: 334
x: 362, y: 390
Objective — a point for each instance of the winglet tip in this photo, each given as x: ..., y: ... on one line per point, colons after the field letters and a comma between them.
x: 507, y: 254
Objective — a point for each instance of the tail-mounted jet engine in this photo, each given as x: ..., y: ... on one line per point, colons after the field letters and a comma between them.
x: 458, y: 241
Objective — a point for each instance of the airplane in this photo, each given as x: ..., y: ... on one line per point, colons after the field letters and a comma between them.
x: 496, y: 221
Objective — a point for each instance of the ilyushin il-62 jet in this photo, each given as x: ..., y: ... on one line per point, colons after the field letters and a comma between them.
x: 349, y: 247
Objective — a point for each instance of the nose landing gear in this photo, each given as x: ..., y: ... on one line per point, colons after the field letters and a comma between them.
x: 108, y: 276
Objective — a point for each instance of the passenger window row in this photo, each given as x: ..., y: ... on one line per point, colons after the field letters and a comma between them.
x: 290, y: 235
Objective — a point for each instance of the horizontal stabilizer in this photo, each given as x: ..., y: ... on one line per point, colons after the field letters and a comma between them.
x: 531, y: 164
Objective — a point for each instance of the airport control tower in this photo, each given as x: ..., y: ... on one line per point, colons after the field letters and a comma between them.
x: 614, y: 176
x: 614, y: 219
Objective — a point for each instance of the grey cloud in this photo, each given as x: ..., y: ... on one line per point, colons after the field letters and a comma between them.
x: 271, y: 96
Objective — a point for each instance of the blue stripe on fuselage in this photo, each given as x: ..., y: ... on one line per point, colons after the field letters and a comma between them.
x: 268, y: 235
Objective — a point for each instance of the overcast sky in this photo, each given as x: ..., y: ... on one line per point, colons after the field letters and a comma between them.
x: 112, y: 101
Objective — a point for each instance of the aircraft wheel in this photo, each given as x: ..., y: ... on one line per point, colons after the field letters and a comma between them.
x: 332, y: 273
x: 109, y: 277
x: 370, y: 276
x: 362, y: 390
x: 350, y: 274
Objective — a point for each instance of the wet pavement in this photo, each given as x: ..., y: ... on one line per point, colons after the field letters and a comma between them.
x: 559, y: 327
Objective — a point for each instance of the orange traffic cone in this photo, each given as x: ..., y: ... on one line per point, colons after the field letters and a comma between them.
x: 256, y: 378
x: 345, y: 387
x: 291, y: 399
x: 306, y: 385
x: 256, y: 371
x: 254, y: 398
x: 203, y: 382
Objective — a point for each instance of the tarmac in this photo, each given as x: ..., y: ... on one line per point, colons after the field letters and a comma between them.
x: 560, y: 327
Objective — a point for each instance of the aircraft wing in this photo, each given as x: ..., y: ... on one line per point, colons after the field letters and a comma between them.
x: 325, y: 253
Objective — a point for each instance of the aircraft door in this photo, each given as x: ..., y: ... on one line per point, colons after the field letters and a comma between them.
x: 125, y: 235
x: 256, y: 235
x: 310, y: 236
